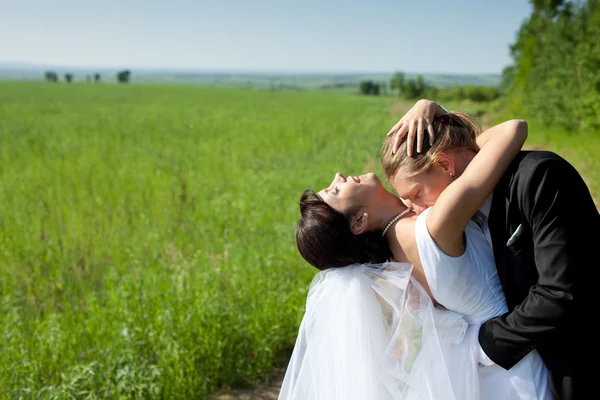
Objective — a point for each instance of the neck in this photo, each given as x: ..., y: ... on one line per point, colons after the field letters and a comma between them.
x: 387, y: 210
x: 462, y: 159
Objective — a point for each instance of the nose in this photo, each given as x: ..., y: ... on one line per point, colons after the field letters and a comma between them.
x: 418, y: 209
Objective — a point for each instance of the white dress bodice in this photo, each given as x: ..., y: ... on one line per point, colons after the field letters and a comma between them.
x: 468, y: 284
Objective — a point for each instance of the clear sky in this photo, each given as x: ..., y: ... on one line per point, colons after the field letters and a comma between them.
x: 428, y: 36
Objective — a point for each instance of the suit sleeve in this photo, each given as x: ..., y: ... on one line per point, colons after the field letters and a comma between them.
x: 546, y: 197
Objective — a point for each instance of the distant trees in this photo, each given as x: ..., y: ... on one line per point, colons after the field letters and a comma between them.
x: 51, y: 76
x: 123, y: 76
x: 408, y: 88
x: 329, y: 86
x: 397, y: 81
x: 370, y: 88
x: 416, y: 87
x: 474, y: 93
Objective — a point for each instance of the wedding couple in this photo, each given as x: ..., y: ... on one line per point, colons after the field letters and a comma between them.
x: 464, y: 285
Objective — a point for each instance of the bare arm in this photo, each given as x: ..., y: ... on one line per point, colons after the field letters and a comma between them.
x: 455, y: 206
x: 485, y: 137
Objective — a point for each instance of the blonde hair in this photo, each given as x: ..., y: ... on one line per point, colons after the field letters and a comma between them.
x: 453, y: 131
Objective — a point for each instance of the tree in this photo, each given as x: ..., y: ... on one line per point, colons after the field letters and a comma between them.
x: 97, y: 77
x: 397, y: 82
x: 508, y: 76
x: 384, y: 88
x: 68, y: 78
x: 123, y: 76
x: 369, y: 88
x: 420, y: 85
x: 414, y: 88
x: 51, y: 76
x: 555, y: 76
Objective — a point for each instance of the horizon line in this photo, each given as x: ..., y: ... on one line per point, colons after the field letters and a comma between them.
x: 24, y: 64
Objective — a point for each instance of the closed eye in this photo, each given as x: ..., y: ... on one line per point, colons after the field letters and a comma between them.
x: 335, y: 190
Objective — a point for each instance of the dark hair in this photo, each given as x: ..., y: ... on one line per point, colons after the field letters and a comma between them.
x: 324, y: 238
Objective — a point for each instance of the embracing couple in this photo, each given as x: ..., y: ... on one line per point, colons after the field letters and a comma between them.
x: 465, y: 284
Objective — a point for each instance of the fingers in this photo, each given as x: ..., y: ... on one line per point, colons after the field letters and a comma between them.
x: 410, y: 140
x: 399, y: 136
x: 431, y: 134
x: 420, y: 135
x: 414, y: 129
x: 395, y: 128
x: 397, y: 141
x: 404, y: 129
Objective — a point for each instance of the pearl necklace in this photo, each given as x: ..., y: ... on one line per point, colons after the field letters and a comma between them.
x: 396, y: 218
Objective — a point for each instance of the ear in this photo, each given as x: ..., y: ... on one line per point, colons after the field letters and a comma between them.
x: 359, y: 223
x: 446, y: 162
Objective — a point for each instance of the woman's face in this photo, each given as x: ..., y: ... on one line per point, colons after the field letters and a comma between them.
x: 420, y: 192
x: 345, y: 194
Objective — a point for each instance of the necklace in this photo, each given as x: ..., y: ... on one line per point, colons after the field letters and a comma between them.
x: 396, y: 218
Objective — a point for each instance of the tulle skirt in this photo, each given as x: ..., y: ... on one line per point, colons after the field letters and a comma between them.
x: 372, y: 332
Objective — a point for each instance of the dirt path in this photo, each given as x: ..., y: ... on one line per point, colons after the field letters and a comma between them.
x: 262, y: 392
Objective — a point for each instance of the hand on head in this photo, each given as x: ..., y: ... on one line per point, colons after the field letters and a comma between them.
x: 419, y: 178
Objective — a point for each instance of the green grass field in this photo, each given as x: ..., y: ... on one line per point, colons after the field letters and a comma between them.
x: 147, y: 232
x: 583, y: 151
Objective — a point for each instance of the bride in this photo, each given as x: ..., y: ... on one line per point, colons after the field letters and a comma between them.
x: 407, y: 328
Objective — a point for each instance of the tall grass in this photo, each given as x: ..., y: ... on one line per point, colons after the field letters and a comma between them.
x: 147, y: 232
x: 581, y: 150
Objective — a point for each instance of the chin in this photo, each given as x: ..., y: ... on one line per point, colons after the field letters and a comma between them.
x: 374, y: 181
x: 372, y: 177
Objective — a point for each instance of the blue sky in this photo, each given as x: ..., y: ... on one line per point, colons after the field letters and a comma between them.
x: 462, y: 36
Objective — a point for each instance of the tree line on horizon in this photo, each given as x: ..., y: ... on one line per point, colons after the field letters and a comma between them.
x: 123, y: 76
x: 414, y: 88
x: 555, y: 75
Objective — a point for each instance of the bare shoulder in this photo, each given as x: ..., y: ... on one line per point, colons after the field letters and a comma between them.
x: 405, y: 228
x: 406, y: 242
x: 405, y: 246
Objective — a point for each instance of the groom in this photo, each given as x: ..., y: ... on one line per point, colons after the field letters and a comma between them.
x: 543, y: 227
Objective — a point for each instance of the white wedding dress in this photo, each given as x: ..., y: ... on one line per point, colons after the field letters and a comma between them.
x: 470, y: 285
x: 371, y: 332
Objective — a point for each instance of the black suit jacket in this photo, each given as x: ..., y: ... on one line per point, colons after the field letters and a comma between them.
x: 542, y: 267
